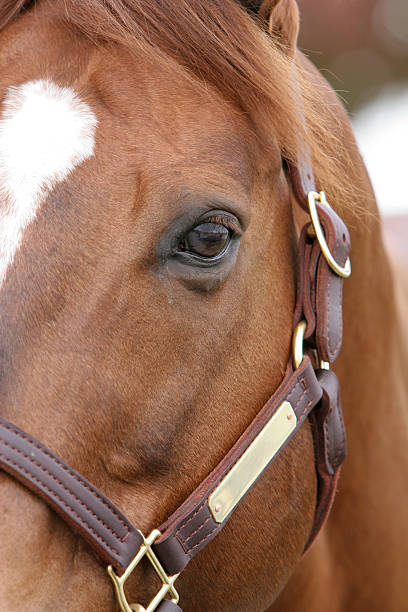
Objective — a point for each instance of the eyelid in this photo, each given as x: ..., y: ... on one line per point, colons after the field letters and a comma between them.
x: 227, y: 221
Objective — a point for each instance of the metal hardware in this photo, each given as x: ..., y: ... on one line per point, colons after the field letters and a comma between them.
x: 252, y: 463
x: 343, y: 271
x: 167, y: 581
x: 297, y: 343
x: 297, y: 347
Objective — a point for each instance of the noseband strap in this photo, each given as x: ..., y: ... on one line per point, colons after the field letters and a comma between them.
x: 308, y: 390
x: 77, y: 501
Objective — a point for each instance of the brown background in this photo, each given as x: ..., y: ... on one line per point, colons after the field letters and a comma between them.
x: 360, y: 45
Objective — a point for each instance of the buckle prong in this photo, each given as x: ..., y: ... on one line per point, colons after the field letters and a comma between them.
x: 167, y: 581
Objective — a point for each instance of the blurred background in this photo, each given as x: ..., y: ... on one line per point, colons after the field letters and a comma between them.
x: 361, y: 47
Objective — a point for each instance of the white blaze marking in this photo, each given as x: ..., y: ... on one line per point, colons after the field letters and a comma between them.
x: 45, y: 132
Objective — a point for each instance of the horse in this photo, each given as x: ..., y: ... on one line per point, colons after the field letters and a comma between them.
x: 148, y: 250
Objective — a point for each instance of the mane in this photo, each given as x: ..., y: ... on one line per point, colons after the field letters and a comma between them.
x: 219, y: 42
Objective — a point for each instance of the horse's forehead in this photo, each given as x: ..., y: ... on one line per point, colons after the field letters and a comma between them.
x: 168, y: 105
x: 175, y: 128
x: 153, y: 118
x: 45, y: 132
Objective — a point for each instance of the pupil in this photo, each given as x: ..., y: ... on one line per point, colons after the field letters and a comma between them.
x: 207, y: 239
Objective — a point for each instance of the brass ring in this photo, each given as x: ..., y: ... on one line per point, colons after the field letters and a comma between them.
x: 297, y: 343
x: 343, y: 271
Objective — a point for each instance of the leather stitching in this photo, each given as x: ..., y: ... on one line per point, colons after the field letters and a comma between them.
x: 54, y: 494
x: 304, y: 393
x: 342, y: 447
x: 70, y: 472
x: 309, y: 403
x: 203, y: 539
x: 337, y: 252
x: 197, y: 530
x: 327, y: 438
x: 333, y: 351
x: 302, y: 382
x: 299, y: 382
x: 43, y: 469
x: 189, y: 519
x: 184, y: 540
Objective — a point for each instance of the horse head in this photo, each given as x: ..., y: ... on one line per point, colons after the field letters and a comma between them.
x: 147, y: 256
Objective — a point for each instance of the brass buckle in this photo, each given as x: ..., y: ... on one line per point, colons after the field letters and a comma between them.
x: 167, y: 581
x: 343, y: 271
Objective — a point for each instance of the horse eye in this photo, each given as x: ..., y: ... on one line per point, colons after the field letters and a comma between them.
x: 206, y: 240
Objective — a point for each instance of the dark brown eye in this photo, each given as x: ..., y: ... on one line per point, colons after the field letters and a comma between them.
x: 206, y: 240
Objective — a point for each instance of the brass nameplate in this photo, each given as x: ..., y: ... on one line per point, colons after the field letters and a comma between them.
x: 252, y: 463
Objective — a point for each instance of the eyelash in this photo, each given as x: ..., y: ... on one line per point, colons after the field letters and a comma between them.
x: 230, y: 224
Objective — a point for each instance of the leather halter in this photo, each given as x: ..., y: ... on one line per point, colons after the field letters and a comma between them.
x: 308, y: 390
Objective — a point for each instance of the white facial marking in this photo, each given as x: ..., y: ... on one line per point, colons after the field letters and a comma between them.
x: 45, y: 132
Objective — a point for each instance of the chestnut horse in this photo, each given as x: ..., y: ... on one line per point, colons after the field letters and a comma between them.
x: 125, y: 126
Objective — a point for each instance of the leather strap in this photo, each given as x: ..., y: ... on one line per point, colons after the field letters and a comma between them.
x: 168, y: 606
x: 192, y: 526
x: 111, y: 536
x: 108, y: 532
x: 327, y: 286
x: 319, y: 303
x: 329, y: 437
x: 320, y: 290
